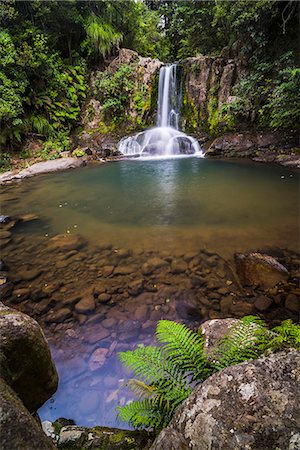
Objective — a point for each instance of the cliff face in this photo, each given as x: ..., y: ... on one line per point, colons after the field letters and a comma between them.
x: 207, y: 86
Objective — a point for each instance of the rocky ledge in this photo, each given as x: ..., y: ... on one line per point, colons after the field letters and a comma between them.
x: 54, y: 165
x: 266, y: 146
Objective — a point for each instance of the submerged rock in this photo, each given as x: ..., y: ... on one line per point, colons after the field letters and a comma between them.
x: 63, y: 242
x: 260, y: 269
x: 253, y: 406
x: 26, y: 363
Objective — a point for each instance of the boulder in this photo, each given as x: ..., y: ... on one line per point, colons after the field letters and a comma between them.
x: 26, y: 363
x: 260, y: 269
x: 215, y: 329
x: 19, y: 430
x: 253, y: 406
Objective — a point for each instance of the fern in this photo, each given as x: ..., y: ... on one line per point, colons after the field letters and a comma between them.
x: 185, y: 347
x: 247, y: 339
x: 169, y: 372
x: 286, y: 334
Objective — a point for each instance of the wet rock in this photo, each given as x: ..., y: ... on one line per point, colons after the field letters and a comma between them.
x: 109, y: 323
x: 85, y: 305
x: 121, y: 253
x: 225, y: 304
x: 6, y: 286
x: 28, y: 217
x: 260, y: 269
x: 4, y: 234
x: 59, y: 316
x: 29, y: 274
x: 19, y: 430
x: 107, y: 270
x: 97, y: 334
x: 104, y: 298
x: 124, y: 270
x: 178, y: 266
x: 197, y: 281
x: 262, y: 303
x: 23, y: 344
x: 188, y: 310
x: 19, y: 295
x: 128, y: 330
x: 51, y: 166
x: 141, y: 313
x: 4, y: 242
x: 292, y: 303
x: 240, y: 309
x: 244, y: 406
x: 136, y: 287
x: 66, y: 242
x: 97, y: 359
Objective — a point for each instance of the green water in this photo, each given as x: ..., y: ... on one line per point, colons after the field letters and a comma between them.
x: 225, y: 206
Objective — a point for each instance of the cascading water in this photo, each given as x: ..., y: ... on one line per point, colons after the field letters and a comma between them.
x: 165, y: 139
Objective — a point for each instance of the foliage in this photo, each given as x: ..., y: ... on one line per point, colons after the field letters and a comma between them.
x: 114, y: 91
x: 169, y: 372
x: 5, y: 162
x: 101, y: 35
x: 78, y: 153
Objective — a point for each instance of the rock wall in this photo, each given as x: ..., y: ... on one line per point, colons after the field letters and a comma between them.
x: 208, y: 83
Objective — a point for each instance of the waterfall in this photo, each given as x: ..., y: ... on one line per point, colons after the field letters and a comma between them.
x: 165, y: 139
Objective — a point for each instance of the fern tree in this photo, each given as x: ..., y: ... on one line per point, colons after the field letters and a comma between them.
x: 101, y: 35
x: 167, y: 373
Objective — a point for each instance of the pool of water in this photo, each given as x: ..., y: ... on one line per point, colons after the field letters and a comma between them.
x: 190, y: 213
x: 225, y: 206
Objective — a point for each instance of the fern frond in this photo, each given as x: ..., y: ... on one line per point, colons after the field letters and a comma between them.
x: 287, y: 333
x: 247, y: 339
x: 143, y: 415
x: 141, y: 389
x: 184, y: 346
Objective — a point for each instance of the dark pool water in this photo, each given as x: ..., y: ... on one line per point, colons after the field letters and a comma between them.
x: 190, y: 212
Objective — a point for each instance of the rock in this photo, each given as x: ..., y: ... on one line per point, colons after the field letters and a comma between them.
x: 28, y: 217
x: 65, y: 242
x: 188, y: 310
x: 107, y: 270
x: 4, y: 234
x: 85, y: 305
x: 253, y: 406
x: 48, y: 429
x: 124, y: 270
x: 103, y: 298
x: 54, y: 165
x: 292, y: 303
x: 75, y: 437
x: 19, y: 430
x: 136, y: 287
x: 97, y: 334
x: 109, y: 323
x: 141, y: 313
x: 6, y: 286
x: 178, y: 266
x: 262, y: 303
x: 260, y: 269
x: 128, y: 330
x: 157, y: 263
x: 19, y: 295
x: 23, y: 344
x: 122, y: 253
x: 72, y: 437
x: 59, y: 316
x: 215, y: 329
x: 98, y: 359
x: 29, y: 275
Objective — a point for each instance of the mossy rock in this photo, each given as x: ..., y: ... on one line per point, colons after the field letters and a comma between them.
x: 25, y: 359
x: 19, y: 430
x: 103, y: 438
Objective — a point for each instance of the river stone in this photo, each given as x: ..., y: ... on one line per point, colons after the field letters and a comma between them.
x: 136, y: 287
x: 4, y: 234
x: 19, y: 430
x: 85, y: 305
x: 72, y: 437
x: 103, y: 298
x: 141, y: 313
x: 50, y: 166
x: 253, y: 406
x: 292, y: 303
x: 66, y: 242
x: 97, y: 333
x: 97, y: 359
x: 262, y: 303
x: 58, y: 316
x: 260, y: 269
x: 29, y: 274
x: 178, y: 266
x: 26, y: 364
x: 107, y: 270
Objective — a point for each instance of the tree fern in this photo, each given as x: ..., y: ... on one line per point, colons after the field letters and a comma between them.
x: 102, y: 35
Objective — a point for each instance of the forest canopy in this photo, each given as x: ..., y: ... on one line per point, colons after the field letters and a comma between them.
x: 48, y: 48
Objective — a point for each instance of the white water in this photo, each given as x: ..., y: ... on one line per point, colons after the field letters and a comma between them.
x: 165, y: 140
